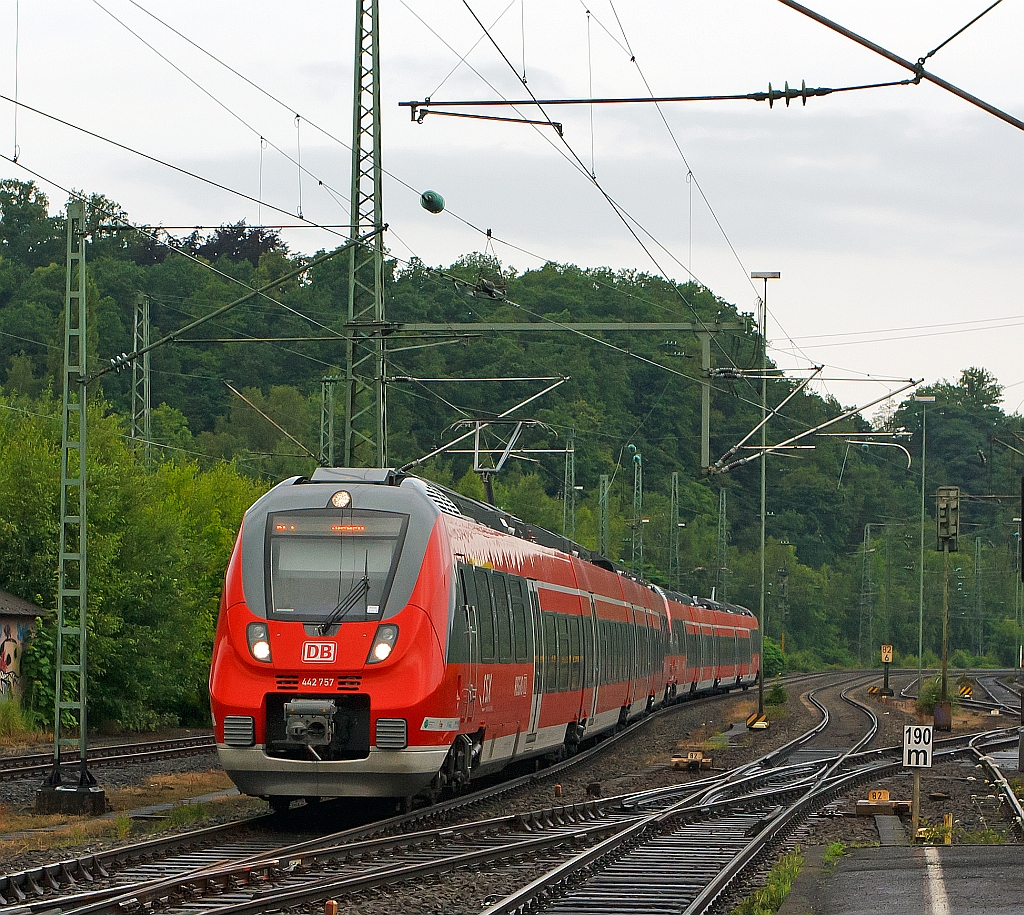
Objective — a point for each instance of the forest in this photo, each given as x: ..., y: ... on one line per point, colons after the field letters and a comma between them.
x: 843, y: 526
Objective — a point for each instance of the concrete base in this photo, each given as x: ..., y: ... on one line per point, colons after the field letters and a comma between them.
x: 68, y: 801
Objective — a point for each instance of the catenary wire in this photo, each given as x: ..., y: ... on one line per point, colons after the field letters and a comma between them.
x: 327, y: 187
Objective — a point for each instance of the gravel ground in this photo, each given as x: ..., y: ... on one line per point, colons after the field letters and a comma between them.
x: 644, y: 761
x: 19, y: 795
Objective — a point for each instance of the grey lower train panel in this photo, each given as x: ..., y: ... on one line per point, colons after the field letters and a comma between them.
x: 385, y: 773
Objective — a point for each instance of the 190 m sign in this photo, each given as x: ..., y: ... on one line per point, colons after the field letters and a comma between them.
x: 917, y: 746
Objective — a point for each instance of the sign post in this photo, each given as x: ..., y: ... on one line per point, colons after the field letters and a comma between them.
x: 886, y: 661
x: 917, y: 755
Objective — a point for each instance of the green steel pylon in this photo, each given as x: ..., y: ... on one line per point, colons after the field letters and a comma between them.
x: 365, y: 426
x: 673, y: 534
x: 142, y: 403
x: 569, y: 489
x: 723, y: 549
x: 637, y: 557
x: 72, y: 578
x: 326, y: 458
x: 603, y: 525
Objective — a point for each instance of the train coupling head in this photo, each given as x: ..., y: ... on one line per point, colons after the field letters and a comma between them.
x: 309, y: 722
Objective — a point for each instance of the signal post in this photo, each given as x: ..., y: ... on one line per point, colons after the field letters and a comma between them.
x: 917, y: 755
x: 947, y: 516
x: 886, y: 661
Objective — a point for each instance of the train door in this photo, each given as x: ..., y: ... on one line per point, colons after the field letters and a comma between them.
x: 537, y: 646
x: 594, y: 658
x: 471, y: 646
x: 631, y: 653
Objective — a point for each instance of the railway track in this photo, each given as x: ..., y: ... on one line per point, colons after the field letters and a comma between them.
x: 669, y: 864
x: 571, y: 857
x: 142, y: 864
x: 358, y: 860
x: 25, y: 765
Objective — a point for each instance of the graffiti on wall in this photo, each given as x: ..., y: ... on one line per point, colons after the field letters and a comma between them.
x: 13, y: 636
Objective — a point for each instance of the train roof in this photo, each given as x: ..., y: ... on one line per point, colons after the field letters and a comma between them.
x: 491, y: 516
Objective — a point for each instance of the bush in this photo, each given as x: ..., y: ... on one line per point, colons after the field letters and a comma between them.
x: 777, y: 695
x: 929, y: 694
x: 774, y: 662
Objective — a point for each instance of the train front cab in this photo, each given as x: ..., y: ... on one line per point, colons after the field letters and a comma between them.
x: 390, y: 720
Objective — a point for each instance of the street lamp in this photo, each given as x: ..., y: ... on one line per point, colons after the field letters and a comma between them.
x: 924, y: 400
x: 763, y: 275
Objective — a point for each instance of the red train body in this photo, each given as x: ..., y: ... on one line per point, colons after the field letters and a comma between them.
x: 381, y: 636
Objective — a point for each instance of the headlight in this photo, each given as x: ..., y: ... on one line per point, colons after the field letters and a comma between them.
x: 259, y: 641
x: 383, y: 643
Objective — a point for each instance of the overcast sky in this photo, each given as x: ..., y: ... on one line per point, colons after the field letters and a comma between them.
x: 894, y: 215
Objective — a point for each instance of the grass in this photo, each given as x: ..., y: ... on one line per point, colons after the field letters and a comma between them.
x: 15, y: 725
x: 833, y: 853
x: 185, y: 814
x: 715, y: 742
x: 122, y: 827
x: 767, y: 899
x: 775, y: 712
x: 986, y: 836
x: 68, y: 832
x: 934, y: 834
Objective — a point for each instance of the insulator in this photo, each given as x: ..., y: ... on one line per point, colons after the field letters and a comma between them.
x: 432, y: 201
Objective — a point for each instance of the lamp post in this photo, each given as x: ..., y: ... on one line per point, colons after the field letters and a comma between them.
x: 763, y: 275
x: 924, y: 400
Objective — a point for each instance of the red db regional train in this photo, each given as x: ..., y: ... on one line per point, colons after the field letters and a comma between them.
x: 382, y: 636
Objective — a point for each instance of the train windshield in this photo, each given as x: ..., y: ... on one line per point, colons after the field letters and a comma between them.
x: 337, y: 564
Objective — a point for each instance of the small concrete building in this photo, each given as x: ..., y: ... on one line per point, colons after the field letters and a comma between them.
x: 17, y: 620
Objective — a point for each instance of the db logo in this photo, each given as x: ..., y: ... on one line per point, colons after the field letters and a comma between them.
x: 318, y: 651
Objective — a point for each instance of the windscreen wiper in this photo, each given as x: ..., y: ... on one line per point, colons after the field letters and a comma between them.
x: 358, y: 591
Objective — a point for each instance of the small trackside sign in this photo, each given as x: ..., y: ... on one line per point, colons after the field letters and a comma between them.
x: 917, y: 746
x: 319, y: 652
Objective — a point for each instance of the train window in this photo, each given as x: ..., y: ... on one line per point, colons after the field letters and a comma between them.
x: 520, y: 632
x: 317, y: 561
x: 624, y: 649
x: 612, y: 675
x: 458, y: 633
x: 564, y: 651
x: 538, y: 643
x: 575, y: 654
x: 484, y: 615
x: 501, y: 617
x: 550, y: 654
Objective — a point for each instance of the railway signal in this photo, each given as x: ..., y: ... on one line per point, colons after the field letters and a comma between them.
x: 947, y: 517
x: 886, y: 661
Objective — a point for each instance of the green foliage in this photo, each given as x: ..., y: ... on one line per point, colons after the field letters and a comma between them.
x: 931, y: 691
x: 122, y: 827
x: 777, y: 694
x: 13, y: 721
x: 984, y: 836
x: 184, y: 814
x: 773, y: 658
x: 833, y: 853
x: 148, y: 615
x: 158, y: 546
x: 767, y: 900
